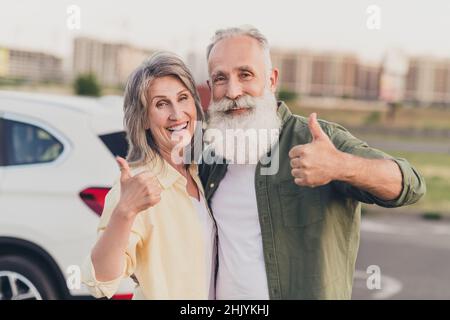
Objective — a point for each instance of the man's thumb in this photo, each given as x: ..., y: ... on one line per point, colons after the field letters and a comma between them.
x: 124, y: 168
x: 314, y: 127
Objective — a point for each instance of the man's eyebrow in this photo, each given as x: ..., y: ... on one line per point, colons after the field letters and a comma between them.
x: 217, y: 73
x: 245, y: 68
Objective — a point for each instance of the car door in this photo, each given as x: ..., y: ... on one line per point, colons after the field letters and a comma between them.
x: 2, y: 153
x: 30, y: 151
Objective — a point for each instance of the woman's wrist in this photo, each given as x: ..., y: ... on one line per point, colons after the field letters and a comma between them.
x: 124, y: 212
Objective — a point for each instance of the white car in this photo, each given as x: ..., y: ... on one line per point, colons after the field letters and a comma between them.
x: 56, y: 166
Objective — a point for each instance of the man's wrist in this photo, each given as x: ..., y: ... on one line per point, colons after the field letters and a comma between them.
x: 345, y: 170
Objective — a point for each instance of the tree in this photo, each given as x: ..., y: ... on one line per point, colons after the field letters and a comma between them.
x: 287, y: 95
x: 394, y: 107
x: 87, y: 85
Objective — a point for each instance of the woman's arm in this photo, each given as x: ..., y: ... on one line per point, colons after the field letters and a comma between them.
x: 137, y: 194
x: 108, y: 254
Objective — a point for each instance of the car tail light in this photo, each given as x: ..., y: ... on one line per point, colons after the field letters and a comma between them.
x: 126, y: 296
x: 94, y: 198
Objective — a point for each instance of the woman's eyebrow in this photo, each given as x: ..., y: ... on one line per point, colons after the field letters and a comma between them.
x: 158, y: 97
x: 182, y: 91
x: 165, y: 97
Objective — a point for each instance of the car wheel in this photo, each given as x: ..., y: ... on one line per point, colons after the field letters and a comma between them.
x: 24, y: 279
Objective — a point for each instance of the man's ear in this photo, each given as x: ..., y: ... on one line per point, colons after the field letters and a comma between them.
x: 274, y: 80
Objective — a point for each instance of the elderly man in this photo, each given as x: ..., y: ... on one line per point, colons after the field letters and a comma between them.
x: 292, y: 233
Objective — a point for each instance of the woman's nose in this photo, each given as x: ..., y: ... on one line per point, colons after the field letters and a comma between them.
x: 176, y: 113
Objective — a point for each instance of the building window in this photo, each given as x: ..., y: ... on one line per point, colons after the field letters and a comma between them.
x: 289, y: 67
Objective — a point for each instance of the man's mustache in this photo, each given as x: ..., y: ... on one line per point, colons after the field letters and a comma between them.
x: 226, y: 104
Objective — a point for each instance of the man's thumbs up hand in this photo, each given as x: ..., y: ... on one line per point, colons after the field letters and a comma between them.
x: 315, y: 128
x: 137, y: 193
x: 316, y: 163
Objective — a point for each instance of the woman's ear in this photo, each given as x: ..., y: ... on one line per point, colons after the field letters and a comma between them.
x: 148, y: 135
x: 146, y: 125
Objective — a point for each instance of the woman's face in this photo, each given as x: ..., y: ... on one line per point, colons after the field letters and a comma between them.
x: 171, y: 113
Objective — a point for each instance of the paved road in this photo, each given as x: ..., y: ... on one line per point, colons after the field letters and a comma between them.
x: 410, y: 146
x: 413, y: 256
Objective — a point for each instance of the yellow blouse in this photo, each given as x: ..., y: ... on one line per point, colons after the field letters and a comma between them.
x: 166, y: 249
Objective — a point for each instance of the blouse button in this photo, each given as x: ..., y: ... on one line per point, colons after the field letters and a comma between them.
x: 211, y: 185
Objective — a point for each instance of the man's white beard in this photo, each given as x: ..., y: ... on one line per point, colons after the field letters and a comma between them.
x: 243, y: 138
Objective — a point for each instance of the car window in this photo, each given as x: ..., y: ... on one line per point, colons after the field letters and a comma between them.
x: 2, y: 151
x: 116, y: 143
x: 25, y: 143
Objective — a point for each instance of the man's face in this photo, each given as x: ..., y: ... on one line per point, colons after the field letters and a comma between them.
x: 243, y: 103
x: 237, y: 68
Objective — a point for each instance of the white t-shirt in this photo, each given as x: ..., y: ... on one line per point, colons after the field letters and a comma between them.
x: 209, y: 234
x: 242, y: 273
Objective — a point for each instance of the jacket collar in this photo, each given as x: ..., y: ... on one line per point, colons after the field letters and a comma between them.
x: 283, y: 112
x: 165, y: 173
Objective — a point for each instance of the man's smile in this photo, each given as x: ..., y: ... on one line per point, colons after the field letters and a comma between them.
x: 237, y: 111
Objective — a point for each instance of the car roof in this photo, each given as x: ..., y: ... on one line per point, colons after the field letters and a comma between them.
x: 105, y: 113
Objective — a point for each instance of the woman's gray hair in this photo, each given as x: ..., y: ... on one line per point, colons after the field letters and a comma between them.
x: 246, y: 30
x: 142, y: 147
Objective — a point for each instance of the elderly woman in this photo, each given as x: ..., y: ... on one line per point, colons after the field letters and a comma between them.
x: 156, y: 226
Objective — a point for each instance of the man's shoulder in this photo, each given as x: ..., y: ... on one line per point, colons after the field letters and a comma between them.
x: 299, y: 124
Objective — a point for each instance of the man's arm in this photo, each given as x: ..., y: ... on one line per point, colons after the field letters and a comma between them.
x: 380, y: 177
x: 355, y: 169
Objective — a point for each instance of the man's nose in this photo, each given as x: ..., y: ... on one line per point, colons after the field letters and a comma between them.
x: 234, y: 89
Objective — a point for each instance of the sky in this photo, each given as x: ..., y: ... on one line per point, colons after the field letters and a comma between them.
x: 416, y: 27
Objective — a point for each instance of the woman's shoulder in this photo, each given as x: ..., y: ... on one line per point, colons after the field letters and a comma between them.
x: 152, y: 166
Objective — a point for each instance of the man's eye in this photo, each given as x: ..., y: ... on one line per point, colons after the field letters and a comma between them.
x: 219, y: 79
x: 246, y: 75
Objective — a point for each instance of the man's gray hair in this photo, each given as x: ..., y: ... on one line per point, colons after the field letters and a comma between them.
x: 246, y: 30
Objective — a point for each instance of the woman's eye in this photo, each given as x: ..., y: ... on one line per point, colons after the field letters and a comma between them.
x: 161, y: 104
x: 183, y: 97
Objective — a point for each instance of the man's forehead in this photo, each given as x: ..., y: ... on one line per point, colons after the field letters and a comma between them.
x: 235, y: 53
